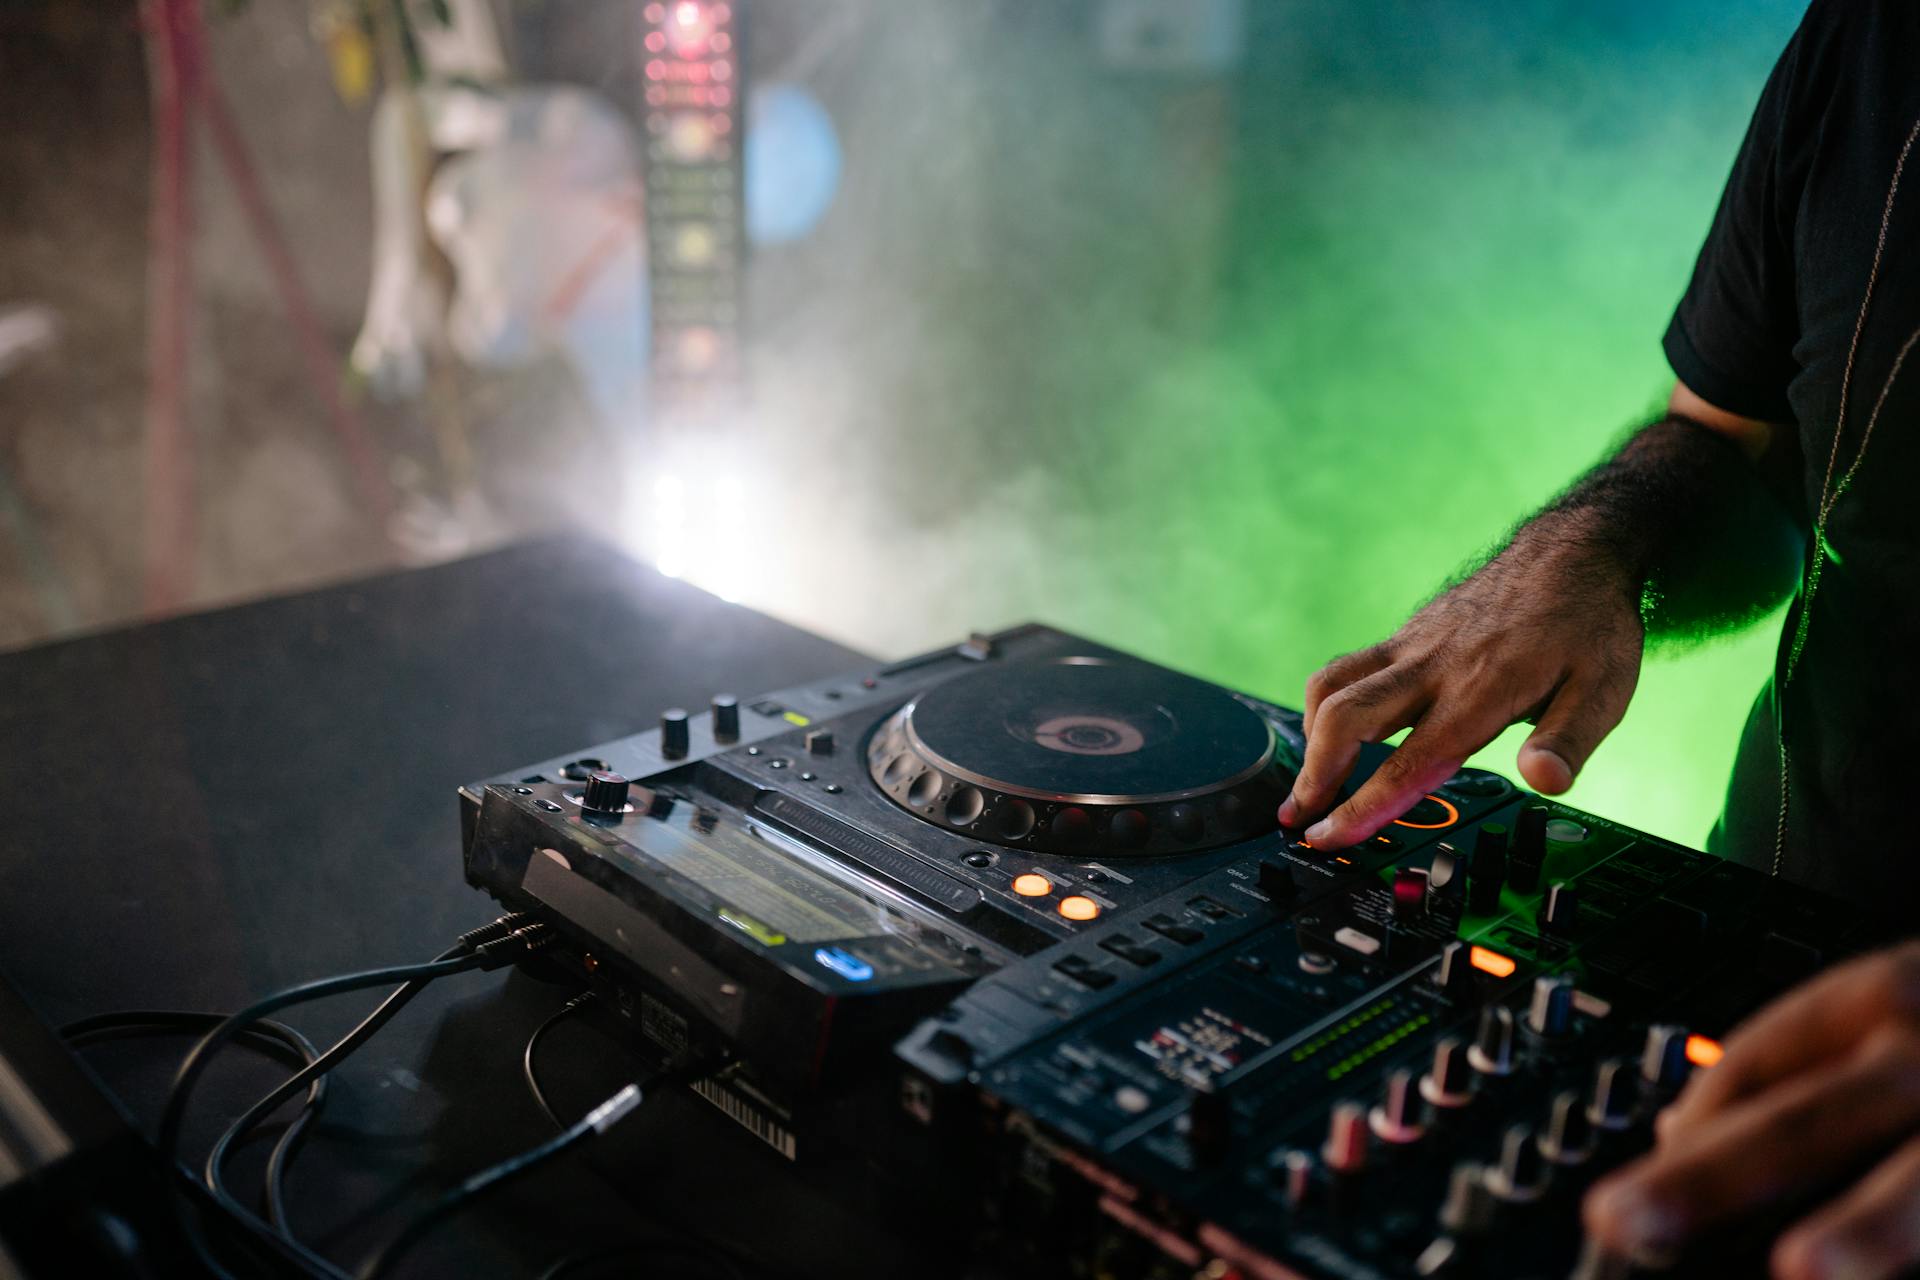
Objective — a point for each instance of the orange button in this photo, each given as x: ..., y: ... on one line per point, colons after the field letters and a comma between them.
x: 1492, y: 962
x: 1032, y: 885
x: 1704, y: 1051
x: 1079, y: 908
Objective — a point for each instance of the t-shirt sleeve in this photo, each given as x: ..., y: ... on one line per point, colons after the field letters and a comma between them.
x: 1731, y: 338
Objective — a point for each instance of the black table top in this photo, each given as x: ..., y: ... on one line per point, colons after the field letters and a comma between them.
x: 204, y: 809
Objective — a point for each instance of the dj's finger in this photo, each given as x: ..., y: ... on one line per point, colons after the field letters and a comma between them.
x: 1870, y: 1233
x: 1367, y: 711
x: 1769, y: 1147
x: 1432, y: 753
x: 1818, y: 1021
x: 1337, y: 675
x: 1584, y: 711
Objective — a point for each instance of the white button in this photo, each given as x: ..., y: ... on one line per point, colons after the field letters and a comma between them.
x: 1348, y: 936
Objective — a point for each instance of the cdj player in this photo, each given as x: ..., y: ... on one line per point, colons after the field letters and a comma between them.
x: 1004, y: 941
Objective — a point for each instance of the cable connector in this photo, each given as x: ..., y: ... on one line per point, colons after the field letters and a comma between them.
x: 517, y: 945
x: 609, y: 1113
x: 492, y: 931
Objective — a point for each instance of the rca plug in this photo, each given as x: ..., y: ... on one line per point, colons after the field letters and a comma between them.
x: 516, y: 946
x: 495, y: 929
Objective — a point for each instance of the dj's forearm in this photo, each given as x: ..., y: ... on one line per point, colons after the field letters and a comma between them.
x: 1681, y: 519
x: 1676, y: 535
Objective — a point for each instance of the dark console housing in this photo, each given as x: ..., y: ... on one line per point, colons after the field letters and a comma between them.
x: 1136, y: 1023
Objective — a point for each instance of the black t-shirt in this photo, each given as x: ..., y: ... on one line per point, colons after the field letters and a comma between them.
x: 1764, y: 331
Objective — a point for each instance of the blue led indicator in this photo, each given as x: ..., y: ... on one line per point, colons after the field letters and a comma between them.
x: 845, y: 963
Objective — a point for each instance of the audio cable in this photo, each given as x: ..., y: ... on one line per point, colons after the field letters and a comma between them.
x: 591, y: 1125
x: 492, y: 946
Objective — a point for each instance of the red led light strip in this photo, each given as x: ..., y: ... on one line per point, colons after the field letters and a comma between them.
x: 696, y: 229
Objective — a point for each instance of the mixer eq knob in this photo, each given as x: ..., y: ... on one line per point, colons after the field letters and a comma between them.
x: 1292, y: 1172
x: 1453, y: 972
x: 1466, y: 1216
x: 1398, y: 1119
x: 1345, y: 1150
x: 1448, y: 1083
x: 1611, y: 1104
x: 1446, y: 879
x: 1561, y: 909
x: 1521, y: 1175
x: 1491, y: 1053
x: 1568, y: 1139
x: 1550, y: 1012
x: 1663, y: 1062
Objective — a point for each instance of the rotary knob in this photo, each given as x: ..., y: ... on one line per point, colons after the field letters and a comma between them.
x: 1446, y: 878
x: 1397, y: 1118
x: 1663, y: 1062
x: 1550, y: 1014
x: 605, y: 793
x: 1521, y: 1175
x: 674, y: 739
x: 1453, y: 972
x: 1561, y: 909
x: 726, y: 718
x: 1569, y: 1136
x: 1345, y: 1150
x: 1468, y: 1208
x: 1492, y: 1051
x: 1449, y: 1080
x: 1611, y: 1104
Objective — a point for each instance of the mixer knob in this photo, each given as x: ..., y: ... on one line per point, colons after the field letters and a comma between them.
x: 1449, y: 1080
x: 1409, y: 894
x: 1521, y: 1175
x: 1492, y: 1050
x: 1569, y: 1136
x: 1663, y: 1063
x: 1611, y: 1104
x: 673, y: 733
x: 1398, y: 1119
x: 1292, y: 1171
x: 606, y: 793
x: 1529, y: 849
x: 1345, y: 1151
x: 1561, y: 908
x: 726, y: 718
x: 1466, y: 1216
x: 1446, y: 877
x: 1468, y: 1208
x: 1453, y: 975
x: 1550, y: 1013
x: 1489, y: 869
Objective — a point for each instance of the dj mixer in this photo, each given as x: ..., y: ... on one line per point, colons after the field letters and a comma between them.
x: 1005, y: 941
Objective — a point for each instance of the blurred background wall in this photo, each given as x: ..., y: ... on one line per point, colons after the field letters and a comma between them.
x: 1224, y: 338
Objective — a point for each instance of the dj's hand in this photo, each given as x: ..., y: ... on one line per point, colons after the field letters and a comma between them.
x: 1548, y: 631
x: 1817, y: 1086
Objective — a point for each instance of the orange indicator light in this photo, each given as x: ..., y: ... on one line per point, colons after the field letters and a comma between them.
x: 1032, y: 885
x: 1704, y: 1051
x: 1492, y: 962
x: 1079, y: 908
x: 1452, y: 816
